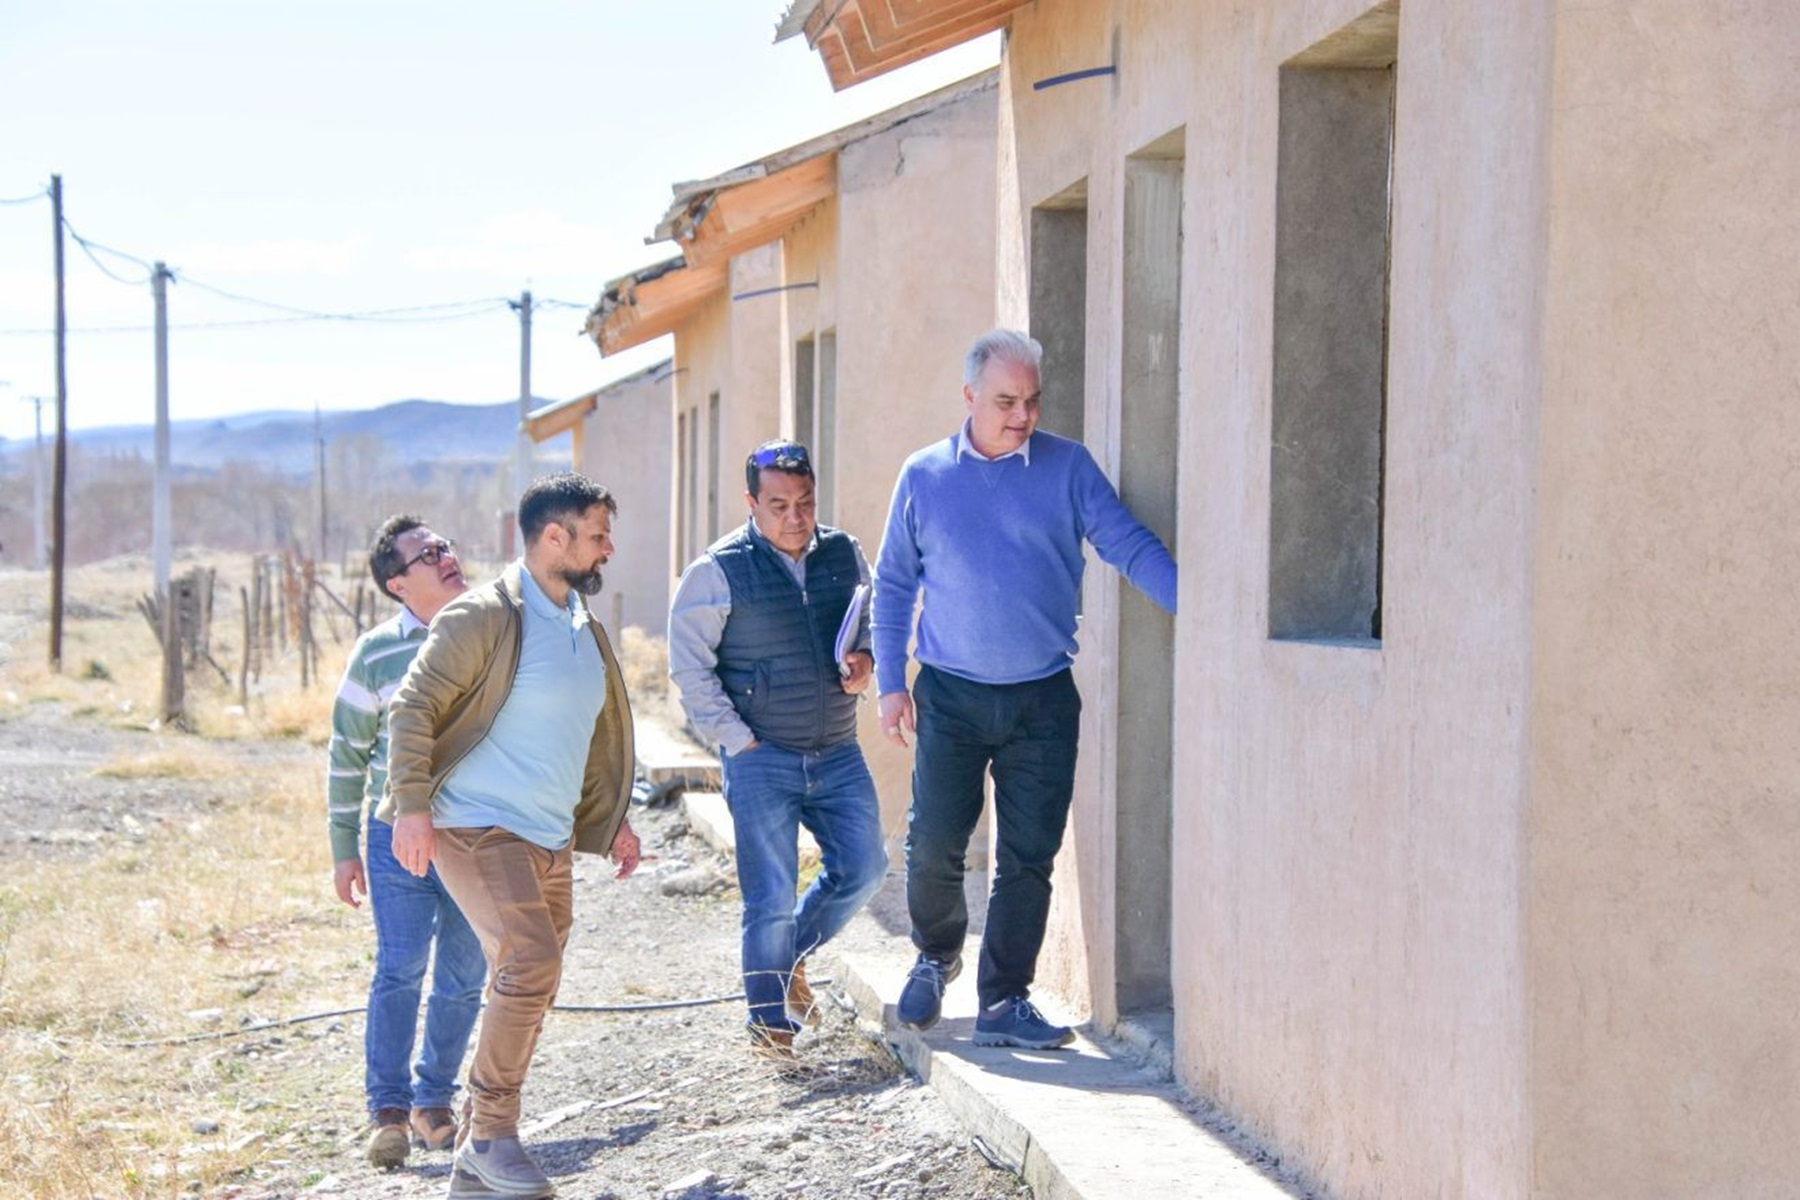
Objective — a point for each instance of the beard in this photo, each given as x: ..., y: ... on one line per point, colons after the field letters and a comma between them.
x: 585, y: 583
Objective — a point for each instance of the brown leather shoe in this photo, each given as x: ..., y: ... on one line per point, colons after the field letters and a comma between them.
x: 388, y: 1143
x: 434, y: 1128
x: 776, y: 1045
x: 802, y: 1008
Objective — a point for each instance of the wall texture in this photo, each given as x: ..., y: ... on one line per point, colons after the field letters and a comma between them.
x: 1501, y: 903
x: 1663, y: 949
x: 1346, y: 906
x: 628, y: 447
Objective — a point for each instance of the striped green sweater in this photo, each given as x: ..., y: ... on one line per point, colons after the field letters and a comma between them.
x: 357, y: 776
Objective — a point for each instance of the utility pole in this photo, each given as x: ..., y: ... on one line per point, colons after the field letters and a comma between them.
x: 60, y: 474
x: 159, y: 490
x: 522, y: 455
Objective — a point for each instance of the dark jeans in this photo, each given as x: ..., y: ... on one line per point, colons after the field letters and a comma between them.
x: 1025, y: 734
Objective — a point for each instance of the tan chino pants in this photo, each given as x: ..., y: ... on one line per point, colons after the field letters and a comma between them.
x: 519, y: 899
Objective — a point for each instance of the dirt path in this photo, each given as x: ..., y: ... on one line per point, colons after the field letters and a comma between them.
x: 656, y: 1103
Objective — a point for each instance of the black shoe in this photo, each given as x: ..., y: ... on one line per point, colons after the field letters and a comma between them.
x: 922, y: 999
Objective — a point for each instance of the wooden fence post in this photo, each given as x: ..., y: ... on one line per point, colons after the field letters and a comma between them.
x: 283, y: 595
x: 265, y: 614
x: 174, y: 683
x: 249, y: 649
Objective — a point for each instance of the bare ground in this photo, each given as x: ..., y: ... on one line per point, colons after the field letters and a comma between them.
x: 652, y: 1103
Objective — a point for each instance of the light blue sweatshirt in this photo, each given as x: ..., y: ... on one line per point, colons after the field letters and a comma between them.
x: 525, y: 775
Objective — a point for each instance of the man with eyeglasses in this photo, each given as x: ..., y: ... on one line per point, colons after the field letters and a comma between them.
x: 512, y: 748
x: 407, y: 1099
x: 988, y: 524
x: 753, y: 645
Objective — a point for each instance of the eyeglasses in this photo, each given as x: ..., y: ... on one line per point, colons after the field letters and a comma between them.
x: 431, y: 555
x: 781, y: 455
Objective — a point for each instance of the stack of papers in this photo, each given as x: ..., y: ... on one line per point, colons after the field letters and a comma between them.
x: 851, y: 628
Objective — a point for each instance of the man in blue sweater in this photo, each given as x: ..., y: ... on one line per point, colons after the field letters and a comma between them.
x: 753, y: 633
x: 990, y: 523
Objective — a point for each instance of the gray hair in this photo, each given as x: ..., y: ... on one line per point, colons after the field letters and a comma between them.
x: 1003, y: 345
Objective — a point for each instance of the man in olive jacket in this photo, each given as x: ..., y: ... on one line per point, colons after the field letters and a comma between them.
x: 510, y: 748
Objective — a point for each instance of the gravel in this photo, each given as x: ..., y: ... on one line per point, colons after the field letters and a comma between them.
x: 662, y: 1102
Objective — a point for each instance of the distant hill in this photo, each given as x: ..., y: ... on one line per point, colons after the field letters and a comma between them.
x: 415, y: 431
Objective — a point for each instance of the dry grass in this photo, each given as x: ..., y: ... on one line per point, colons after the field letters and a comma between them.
x: 644, y: 657
x: 112, y: 663
x: 222, y: 917
x: 215, y: 919
x: 198, y: 928
x: 176, y: 762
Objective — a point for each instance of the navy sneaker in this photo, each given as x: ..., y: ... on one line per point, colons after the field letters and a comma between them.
x: 1017, y: 1022
x: 922, y: 999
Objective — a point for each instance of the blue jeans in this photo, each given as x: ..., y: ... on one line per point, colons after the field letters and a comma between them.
x: 1025, y: 734
x: 772, y: 792
x: 410, y: 913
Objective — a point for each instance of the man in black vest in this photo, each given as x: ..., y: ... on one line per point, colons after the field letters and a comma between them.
x: 754, y: 646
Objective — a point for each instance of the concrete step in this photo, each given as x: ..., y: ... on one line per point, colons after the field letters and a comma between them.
x: 664, y: 753
x: 1079, y: 1123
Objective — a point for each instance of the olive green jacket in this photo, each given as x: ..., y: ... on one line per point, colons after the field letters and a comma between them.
x: 455, y: 689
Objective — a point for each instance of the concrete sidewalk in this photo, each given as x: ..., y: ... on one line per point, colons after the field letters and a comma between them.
x: 1081, y: 1123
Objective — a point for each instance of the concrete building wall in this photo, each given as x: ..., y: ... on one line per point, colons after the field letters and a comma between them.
x: 1664, y: 951
x: 752, y: 405
x: 1036, y: 167
x: 809, y: 317
x: 626, y: 447
x: 703, y: 369
x: 1346, y: 973
x: 1496, y: 902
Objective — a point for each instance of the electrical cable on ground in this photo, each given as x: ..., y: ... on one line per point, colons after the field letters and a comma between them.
x: 217, y: 1035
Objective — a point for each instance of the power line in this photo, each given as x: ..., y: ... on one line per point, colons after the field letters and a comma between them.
x: 417, y: 314
x: 453, y: 310
x: 88, y: 248
x: 38, y: 195
x: 218, y: 291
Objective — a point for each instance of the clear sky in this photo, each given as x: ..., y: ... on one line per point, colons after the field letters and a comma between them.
x: 341, y: 156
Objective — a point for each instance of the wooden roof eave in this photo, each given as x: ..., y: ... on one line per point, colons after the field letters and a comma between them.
x: 633, y: 312
x: 546, y: 422
x: 733, y: 220
x: 858, y: 40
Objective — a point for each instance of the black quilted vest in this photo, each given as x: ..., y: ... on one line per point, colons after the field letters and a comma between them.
x: 775, y: 656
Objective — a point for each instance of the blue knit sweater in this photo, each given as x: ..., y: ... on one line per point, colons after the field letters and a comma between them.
x: 996, y: 546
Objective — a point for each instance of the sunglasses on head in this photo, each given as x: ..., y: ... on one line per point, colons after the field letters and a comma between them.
x: 433, y: 554
x: 782, y: 456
